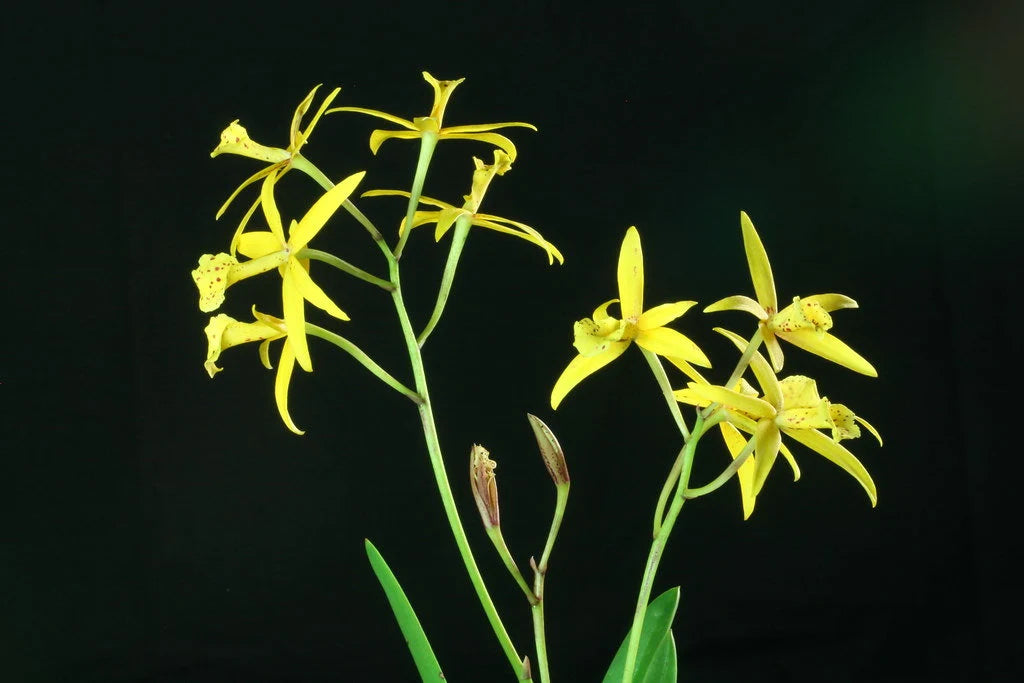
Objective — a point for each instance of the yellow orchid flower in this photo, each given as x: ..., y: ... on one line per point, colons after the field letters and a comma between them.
x: 803, y: 323
x: 790, y: 407
x: 433, y: 123
x: 602, y: 339
x: 223, y: 332
x: 235, y: 140
x: 270, y: 249
x: 447, y: 214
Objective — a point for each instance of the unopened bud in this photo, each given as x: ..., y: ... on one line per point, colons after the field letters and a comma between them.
x: 485, y: 488
x: 550, y: 450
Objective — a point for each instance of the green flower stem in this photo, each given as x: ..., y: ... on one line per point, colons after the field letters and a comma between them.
x: 494, y: 533
x: 459, y: 236
x: 666, y: 491
x: 725, y: 476
x: 367, y: 362
x: 306, y: 166
x: 344, y: 266
x: 658, y: 549
x: 441, y: 477
x: 666, y: 390
x: 427, y: 144
x: 539, y: 574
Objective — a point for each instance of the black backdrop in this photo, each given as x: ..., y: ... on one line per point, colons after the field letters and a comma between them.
x: 166, y: 527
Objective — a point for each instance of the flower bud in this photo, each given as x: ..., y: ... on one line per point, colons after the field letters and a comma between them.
x: 485, y: 488
x: 550, y: 450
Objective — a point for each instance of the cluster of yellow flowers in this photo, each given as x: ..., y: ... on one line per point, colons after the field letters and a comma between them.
x: 270, y: 249
x: 790, y: 406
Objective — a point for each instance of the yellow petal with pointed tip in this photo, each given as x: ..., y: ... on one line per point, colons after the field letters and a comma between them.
x: 738, y: 303
x: 300, y: 111
x: 295, y: 315
x: 829, y: 348
x: 258, y: 243
x: 788, y: 455
x: 760, y: 268
x: 732, y: 399
x: 687, y: 369
x: 774, y: 349
x: 762, y: 371
x: 242, y: 224
x: 631, y: 276
x: 281, y: 382
x: 263, y: 172
x: 826, y: 447
x: 767, y: 441
x: 601, y: 312
x: 735, y: 443
x: 481, y: 127
x: 659, y: 316
x: 580, y: 368
x: 302, y: 137
x: 404, y: 123
x: 446, y: 219
x: 270, y: 211
x: 378, y: 137
x: 496, y: 139
x: 665, y: 341
x: 320, y: 212
x: 312, y: 293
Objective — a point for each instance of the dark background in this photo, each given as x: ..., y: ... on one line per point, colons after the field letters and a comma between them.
x: 166, y: 527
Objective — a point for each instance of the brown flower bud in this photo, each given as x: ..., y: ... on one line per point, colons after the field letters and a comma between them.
x: 550, y: 450
x: 485, y: 488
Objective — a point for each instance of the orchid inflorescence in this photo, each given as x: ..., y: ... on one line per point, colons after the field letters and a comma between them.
x: 756, y: 422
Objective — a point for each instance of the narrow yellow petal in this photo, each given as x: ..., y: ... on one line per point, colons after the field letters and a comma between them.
x: 293, y: 132
x: 665, y: 341
x: 788, y: 455
x: 402, y: 193
x: 295, y: 316
x: 258, y: 243
x: 580, y: 368
x: 302, y: 137
x: 826, y: 447
x: 270, y: 211
x: 527, y: 233
x: 320, y: 212
x: 631, y: 276
x: 242, y: 224
x: 378, y: 137
x: 760, y: 268
x: 245, y: 183
x: 496, y: 139
x: 767, y: 440
x: 481, y: 127
x: 446, y: 219
x: 832, y: 302
x: 735, y: 442
x: 312, y: 293
x: 662, y: 315
x: 771, y: 343
x: 762, y: 371
x: 405, y: 123
x: 867, y: 426
x: 732, y: 399
x: 830, y: 348
x: 687, y: 369
x: 281, y: 382
x: 738, y: 303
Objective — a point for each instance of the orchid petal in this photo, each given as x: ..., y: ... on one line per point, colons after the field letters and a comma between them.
x: 242, y: 224
x: 378, y: 137
x: 832, y: 302
x: 829, y: 348
x: 404, y: 123
x: 767, y: 440
x: 665, y: 341
x: 312, y: 293
x: 788, y: 455
x: 270, y: 211
x: 496, y: 139
x: 735, y: 443
x: 829, y: 449
x: 738, y: 303
x: 631, y: 276
x: 320, y: 212
x: 293, y: 132
x: 659, y: 316
x: 732, y: 399
x: 762, y: 371
x: 580, y: 368
x: 258, y: 243
x: 760, y: 268
x: 284, y: 377
x: 295, y: 315
x: 481, y: 127
x: 245, y: 183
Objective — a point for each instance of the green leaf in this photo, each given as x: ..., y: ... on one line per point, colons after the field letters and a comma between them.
x: 662, y: 668
x: 419, y: 646
x: 657, y: 646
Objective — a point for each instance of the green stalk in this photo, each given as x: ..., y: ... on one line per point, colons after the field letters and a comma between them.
x: 461, y: 232
x: 539, y: 575
x: 657, y: 550
x: 666, y: 390
x: 427, y: 144
x: 441, y: 477
x: 367, y: 362
x: 345, y: 267
x: 725, y: 476
x: 666, y: 491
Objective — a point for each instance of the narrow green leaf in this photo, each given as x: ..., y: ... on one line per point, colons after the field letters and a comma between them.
x: 419, y: 646
x: 657, y: 622
x: 662, y: 668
